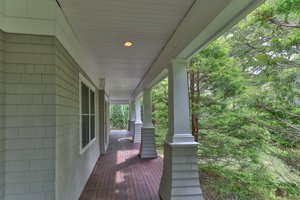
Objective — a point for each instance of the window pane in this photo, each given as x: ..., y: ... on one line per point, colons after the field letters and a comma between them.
x: 84, y: 99
x: 92, y: 100
x: 92, y: 127
x: 84, y: 130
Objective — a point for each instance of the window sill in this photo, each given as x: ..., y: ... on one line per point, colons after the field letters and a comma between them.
x: 82, y: 150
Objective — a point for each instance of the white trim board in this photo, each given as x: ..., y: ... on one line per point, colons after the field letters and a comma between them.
x: 82, y: 79
x: 119, y: 102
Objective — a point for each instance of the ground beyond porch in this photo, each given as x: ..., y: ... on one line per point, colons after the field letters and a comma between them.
x: 122, y: 174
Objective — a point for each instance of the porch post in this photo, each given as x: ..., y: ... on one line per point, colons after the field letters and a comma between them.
x: 132, y: 118
x: 129, y: 116
x: 147, y: 147
x: 180, y: 179
x: 102, y: 117
x: 138, y: 122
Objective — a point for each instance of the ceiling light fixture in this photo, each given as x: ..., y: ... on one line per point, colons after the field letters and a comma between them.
x: 128, y: 44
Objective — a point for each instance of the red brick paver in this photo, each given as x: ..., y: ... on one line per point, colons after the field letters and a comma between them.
x: 122, y: 174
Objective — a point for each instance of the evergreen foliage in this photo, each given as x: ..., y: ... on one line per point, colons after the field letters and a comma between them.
x: 245, y: 107
x: 119, y: 116
x: 160, y: 112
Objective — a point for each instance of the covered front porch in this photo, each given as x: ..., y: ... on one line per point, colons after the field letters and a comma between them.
x: 122, y: 174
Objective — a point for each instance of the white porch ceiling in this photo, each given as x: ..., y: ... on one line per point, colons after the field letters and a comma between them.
x: 102, y: 26
x: 160, y: 30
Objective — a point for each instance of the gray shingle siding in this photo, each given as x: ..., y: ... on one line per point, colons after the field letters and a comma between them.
x: 2, y: 113
x: 72, y: 169
x: 39, y: 121
x: 30, y: 117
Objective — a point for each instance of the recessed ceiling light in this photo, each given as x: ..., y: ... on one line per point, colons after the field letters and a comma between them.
x: 128, y: 44
x: 122, y: 85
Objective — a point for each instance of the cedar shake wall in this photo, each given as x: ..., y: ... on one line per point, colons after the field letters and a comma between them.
x: 39, y: 121
x: 30, y: 117
x: 2, y: 113
x: 72, y: 169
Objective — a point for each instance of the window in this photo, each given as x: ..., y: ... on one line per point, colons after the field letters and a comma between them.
x: 87, y: 113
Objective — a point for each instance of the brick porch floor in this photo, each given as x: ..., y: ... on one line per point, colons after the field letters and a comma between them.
x: 122, y: 174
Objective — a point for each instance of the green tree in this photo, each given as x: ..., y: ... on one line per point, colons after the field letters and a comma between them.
x: 213, y: 77
x: 160, y: 111
x: 119, y: 116
x: 255, y: 132
x: 245, y: 107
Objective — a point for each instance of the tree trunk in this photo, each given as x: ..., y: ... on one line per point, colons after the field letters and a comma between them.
x: 196, y: 107
x: 192, y: 100
x: 153, y: 111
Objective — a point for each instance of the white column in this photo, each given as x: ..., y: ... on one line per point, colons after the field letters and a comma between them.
x: 131, y: 118
x: 102, y: 117
x: 132, y: 111
x: 138, y: 111
x: 179, y: 115
x: 147, y: 105
x: 147, y: 148
x: 180, y: 179
x: 138, y: 122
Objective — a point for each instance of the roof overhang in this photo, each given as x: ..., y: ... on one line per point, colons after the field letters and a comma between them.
x: 196, y: 31
x: 192, y: 28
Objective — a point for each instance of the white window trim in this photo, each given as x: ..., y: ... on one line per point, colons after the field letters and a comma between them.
x: 82, y: 79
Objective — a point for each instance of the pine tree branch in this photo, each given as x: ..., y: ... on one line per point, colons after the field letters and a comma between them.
x: 279, y: 23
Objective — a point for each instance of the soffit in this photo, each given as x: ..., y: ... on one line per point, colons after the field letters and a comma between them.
x: 102, y: 26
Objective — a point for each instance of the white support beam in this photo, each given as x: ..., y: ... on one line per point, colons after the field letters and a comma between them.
x: 132, y: 111
x: 180, y: 150
x: 131, y: 118
x: 147, y: 147
x: 138, y: 112
x: 119, y: 101
x: 179, y: 116
x: 138, y: 122
x: 147, y: 105
x: 234, y: 12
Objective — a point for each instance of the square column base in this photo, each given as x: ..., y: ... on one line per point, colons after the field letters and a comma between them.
x: 137, y: 132
x: 180, y: 179
x: 103, y: 150
x: 131, y: 128
x: 148, y: 147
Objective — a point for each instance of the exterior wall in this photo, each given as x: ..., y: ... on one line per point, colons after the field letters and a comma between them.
x: 30, y: 117
x: 2, y: 113
x: 44, y: 17
x: 39, y: 120
x: 72, y: 169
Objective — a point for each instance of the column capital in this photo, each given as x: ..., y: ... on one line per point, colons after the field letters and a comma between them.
x: 146, y: 90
